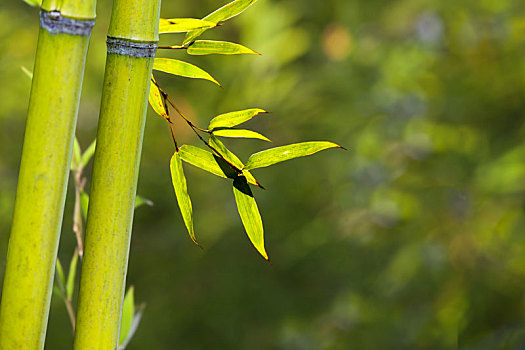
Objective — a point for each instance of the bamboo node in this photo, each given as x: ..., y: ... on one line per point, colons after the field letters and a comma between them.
x: 126, y: 47
x: 55, y: 23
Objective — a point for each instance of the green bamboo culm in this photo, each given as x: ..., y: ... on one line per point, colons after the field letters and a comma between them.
x: 65, y: 28
x: 132, y: 43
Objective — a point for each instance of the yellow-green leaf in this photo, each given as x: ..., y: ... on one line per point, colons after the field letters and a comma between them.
x: 181, y: 192
x: 70, y: 285
x: 226, y: 12
x: 206, y: 161
x: 240, y: 133
x: 227, y: 120
x: 88, y: 153
x: 155, y: 99
x: 181, y: 25
x: 181, y: 68
x: 34, y: 2
x: 280, y: 154
x: 128, y: 310
x: 139, y: 200
x: 61, y: 279
x: 75, y: 159
x: 209, y: 47
x: 249, y: 213
x: 84, y: 203
x: 211, y: 163
x: 232, y: 158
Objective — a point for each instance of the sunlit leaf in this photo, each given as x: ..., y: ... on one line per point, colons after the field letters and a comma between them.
x: 232, y: 158
x: 250, y: 216
x: 128, y: 310
x: 240, y: 133
x: 280, y: 154
x: 70, y: 285
x: 181, y: 192
x: 76, y: 158
x: 227, y: 120
x: 139, y: 200
x: 180, y: 25
x: 88, y: 153
x: 209, y: 47
x: 155, y: 99
x: 182, y: 69
x: 84, y: 203
x: 34, y: 2
x: 61, y: 278
x: 206, y: 161
x: 134, y: 325
x: 228, y: 11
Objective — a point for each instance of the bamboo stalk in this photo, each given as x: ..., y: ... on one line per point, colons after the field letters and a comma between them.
x: 59, y: 65
x: 132, y: 42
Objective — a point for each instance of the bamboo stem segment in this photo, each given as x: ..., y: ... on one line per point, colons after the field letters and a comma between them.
x: 132, y: 42
x: 44, y: 170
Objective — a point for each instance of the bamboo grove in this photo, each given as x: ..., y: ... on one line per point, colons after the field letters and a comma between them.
x: 107, y: 317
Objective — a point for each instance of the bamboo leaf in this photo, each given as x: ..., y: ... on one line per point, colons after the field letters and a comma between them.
x: 182, y: 69
x: 155, y: 99
x: 61, y: 280
x: 36, y: 3
x: 58, y: 292
x: 84, y: 203
x: 181, y: 192
x: 76, y: 158
x: 232, y: 158
x: 139, y: 201
x: 249, y: 213
x: 209, y: 47
x: 70, y: 286
x: 226, y: 12
x: 206, y: 161
x: 227, y: 120
x: 180, y: 25
x: 240, y: 133
x: 134, y: 325
x: 88, y: 153
x: 280, y: 154
x: 128, y: 310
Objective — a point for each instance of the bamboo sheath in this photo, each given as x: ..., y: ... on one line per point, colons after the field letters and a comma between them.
x: 132, y: 42
x: 59, y: 66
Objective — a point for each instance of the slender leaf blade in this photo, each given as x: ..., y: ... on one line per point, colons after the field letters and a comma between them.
x: 134, y: 326
x: 228, y: 120
x: 232, y: 158
x: 206, y: 161
x: 226, y: 12
x: 88, y: 153
x: 139, y: 201
x: 210, y: 47
x: 240, y: 133
x: 211, y: 163
x: 181, y: 25
x: 61, y: 277
x: 27, y: 72
x: 280, y: 154
x: 128, y: 310
x: 181, y: 192
x: 84, y: 203
x: 155, y: 99
x: 75, y: 159
x: 36, y: 3
x: 70, y: 285
x: 249, y: 213
x: 181, y: 68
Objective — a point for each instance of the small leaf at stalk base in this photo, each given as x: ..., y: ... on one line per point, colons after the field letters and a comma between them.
x: 70, y: 284
x: 210, y: 47
x: 181, y: 68
x: 88, y: 153
x: 228, y: 120
x: 181, y: 192
x: 280, y: 154
x: 128, y: 310
x: 180, y: 25
x: 249, y: 213
x: 240, y: 133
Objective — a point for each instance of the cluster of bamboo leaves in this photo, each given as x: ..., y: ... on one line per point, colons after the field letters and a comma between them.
x: 215, y: 157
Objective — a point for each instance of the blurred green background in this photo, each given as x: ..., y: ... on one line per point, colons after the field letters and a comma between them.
x: 412, y: 239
